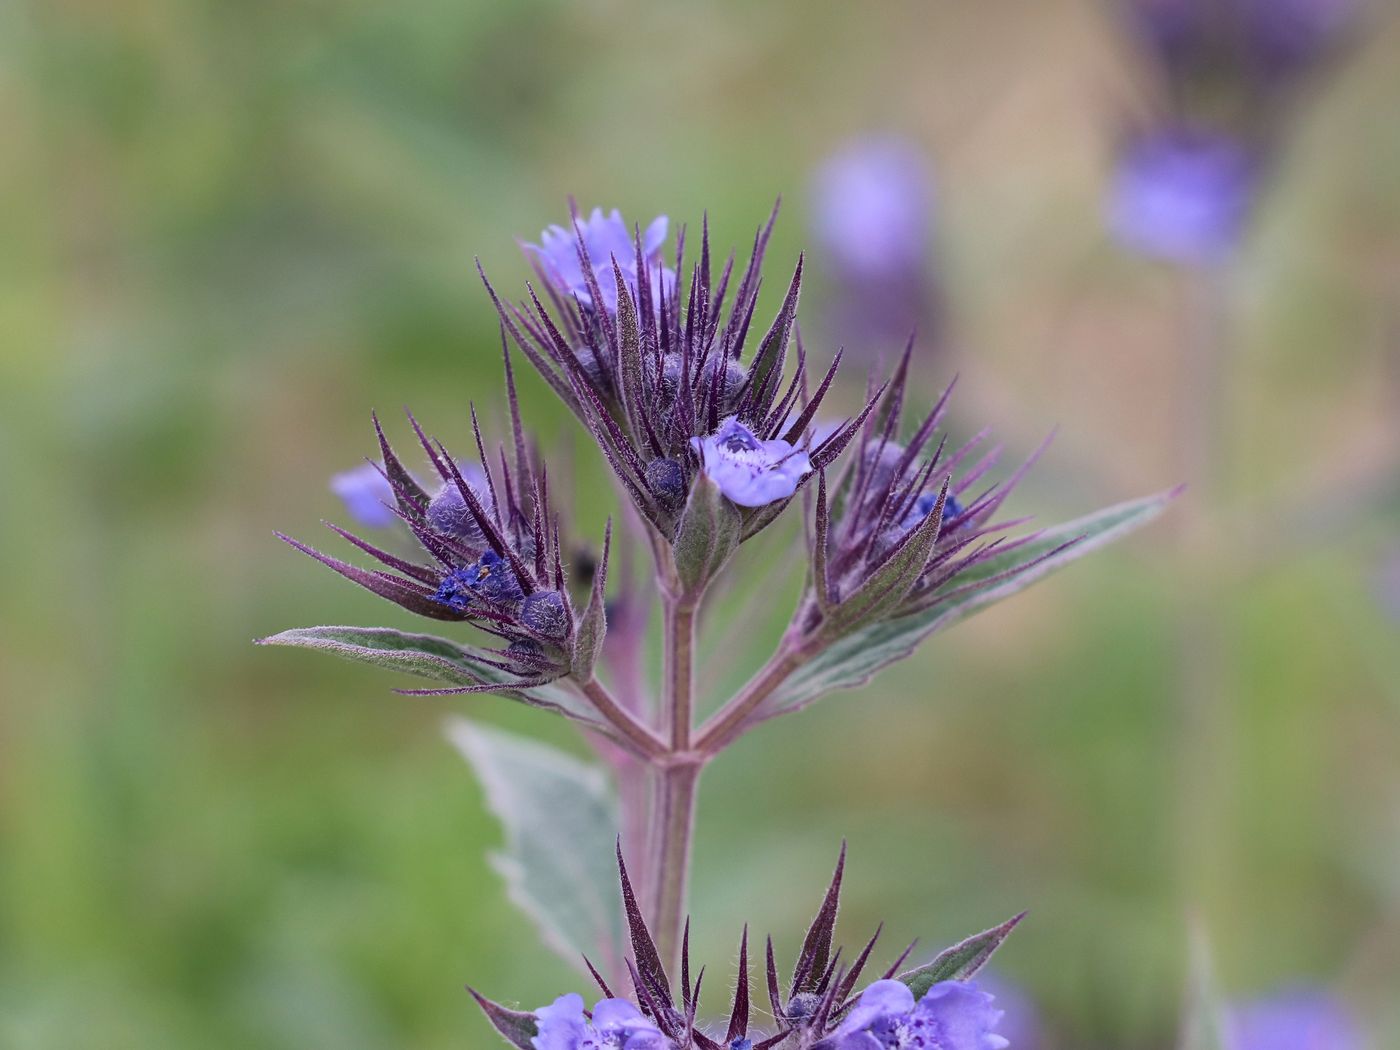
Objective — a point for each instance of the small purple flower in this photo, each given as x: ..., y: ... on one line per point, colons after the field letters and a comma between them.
x: 605, y: 238
x: 490, y: 577
x: 1182, y: 196
x: 952, y: 1015
x: 1020, y: 1024
x: 616, y: 1025
x: 750, y: 472
x: 1296, y: 1019
x: 871, y: 207
x: 367, y: 496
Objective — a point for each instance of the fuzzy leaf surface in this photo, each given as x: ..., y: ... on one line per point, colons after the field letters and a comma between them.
x: 960, y: 962
x: 428, y: 656
x: 854, y: 659
x: 560, y: 820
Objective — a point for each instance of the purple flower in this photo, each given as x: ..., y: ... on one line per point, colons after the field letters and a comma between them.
x: 489, y: 577
x: 1182, y: 196
x: 748, y: 471
x: 952, y: 1015
x: 1296, y: 1019
x: 605, y: 238
x: 616, y: 1025
x: 367, y: 495
x: 871, y: 207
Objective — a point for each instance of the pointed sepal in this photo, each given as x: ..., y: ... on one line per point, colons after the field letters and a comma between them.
x: 516, y: 1027
x: 960, y: 962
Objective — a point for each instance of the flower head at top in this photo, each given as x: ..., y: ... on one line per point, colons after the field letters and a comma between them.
x: 750, y: 472
x: 604, y: 238
x: 952, y: 1015
x: 1182, y: 195
x: 367, y: 495
x: 1297, y: 1019
x: 615, y: 1025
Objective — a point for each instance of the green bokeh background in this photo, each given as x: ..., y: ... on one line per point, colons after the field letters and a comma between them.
x: 230, y: 229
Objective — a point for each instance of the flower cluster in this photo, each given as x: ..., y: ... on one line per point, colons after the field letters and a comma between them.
x: 1228, y: 70
x: 895, y: 527
x: 492, y: 549
x: 663, y: 381
x: 930, y: 1007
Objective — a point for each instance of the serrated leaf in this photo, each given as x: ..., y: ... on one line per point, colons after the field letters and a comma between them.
x: 960, y: 962
x: 853, y: 659
x: 429, y: 656
x: 560, y: 821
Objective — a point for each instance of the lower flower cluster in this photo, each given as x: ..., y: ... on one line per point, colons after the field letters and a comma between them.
x: 930, y: 1007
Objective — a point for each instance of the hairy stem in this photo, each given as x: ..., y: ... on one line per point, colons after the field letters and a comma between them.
x: 673, y: 819
x: 677, y: 697
x: 636, y: 736
x: 730, y: 721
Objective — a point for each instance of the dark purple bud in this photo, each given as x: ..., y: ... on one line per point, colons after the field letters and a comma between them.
x: 882, y: 461
x: 802, y: 1007
x: 730, y: 381
x: 741, y: 1044
x: 544, y: 612
x: 449, y: 514
x: 666, y: 479
x: 672, y: 371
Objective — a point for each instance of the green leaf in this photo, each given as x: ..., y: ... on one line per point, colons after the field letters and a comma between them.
x: 428, y: 656
x: 960, y: 962
x: 560, y: 820
x: 855, y: 658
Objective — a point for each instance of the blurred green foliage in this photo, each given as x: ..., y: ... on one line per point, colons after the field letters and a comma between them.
x: 232, y: 228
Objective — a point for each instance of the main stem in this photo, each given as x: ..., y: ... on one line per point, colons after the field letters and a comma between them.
x: 676, y: 779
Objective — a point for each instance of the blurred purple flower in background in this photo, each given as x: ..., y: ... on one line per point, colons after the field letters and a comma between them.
x: 605, y: 237
x: 1302, y: 1018
x: 871, y: 213
x: 1288, y: 37
x: 616, y: 1025
x: 367, y: 495
x: 748, y: 471
x: 952, y: 1015
x: 1182, y: 195
x: 1388, y: 584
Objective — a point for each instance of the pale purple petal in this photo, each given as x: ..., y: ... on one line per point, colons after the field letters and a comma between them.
x: 881, y: 999
x: 750, y: 472
x: 960, y: 1015
x: 367, y: 496
x: 606, y: 237
x: 562, y: 1025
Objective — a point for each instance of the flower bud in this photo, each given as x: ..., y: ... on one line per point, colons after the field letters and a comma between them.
x: 449, y: 514
x: 666, y: 479
x: 730, y: 381
x: 801, y: 1007
x: 545, y: 612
